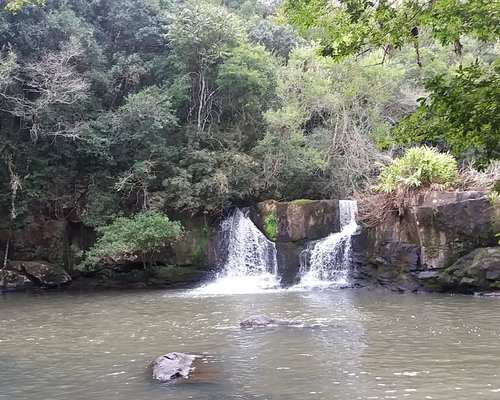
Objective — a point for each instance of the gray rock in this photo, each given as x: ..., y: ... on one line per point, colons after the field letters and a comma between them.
x: 44, y: 273
x: 11, y: 281
x: 439, y: 231
x: 259, y: 321
x: 172, y: 366
x: 475, y: 272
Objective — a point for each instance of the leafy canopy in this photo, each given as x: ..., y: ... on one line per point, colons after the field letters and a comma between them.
x: 348, y: 27
x: 463, y: 109
x: 420, y: 166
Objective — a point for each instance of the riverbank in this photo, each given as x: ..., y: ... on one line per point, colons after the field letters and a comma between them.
x: 444, y: 242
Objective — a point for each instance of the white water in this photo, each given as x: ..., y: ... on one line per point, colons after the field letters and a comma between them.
x: 250, y: 266
x: 325, y: 263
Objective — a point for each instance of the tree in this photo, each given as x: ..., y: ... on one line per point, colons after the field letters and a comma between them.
x: 246, y: 79
x: 279, y: 39
x: 201, y: 35
x: 349, y: 27
x: 16, y: 5
x: 463, y: 109
x: 143, y: 234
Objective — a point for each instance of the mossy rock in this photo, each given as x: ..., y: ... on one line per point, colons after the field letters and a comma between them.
x: 477, y: 271
x: 271, y: 225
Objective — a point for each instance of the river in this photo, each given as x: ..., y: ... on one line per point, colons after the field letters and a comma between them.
x: 369, y: 346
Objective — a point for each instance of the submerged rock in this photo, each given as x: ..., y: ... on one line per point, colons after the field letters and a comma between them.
x: 173, y: 366
x: 259, y: 321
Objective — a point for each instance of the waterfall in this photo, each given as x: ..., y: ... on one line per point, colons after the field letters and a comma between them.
x: 326, y: 262
x: 248, y: 258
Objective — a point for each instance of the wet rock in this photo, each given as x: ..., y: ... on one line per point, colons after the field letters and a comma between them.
x: 409, y: 252
x: 477, y: 271
x: 173, y: 366
x: 299, y: 220
x: 259, y: 321
x: 42, y: 273
x: 11, y: 281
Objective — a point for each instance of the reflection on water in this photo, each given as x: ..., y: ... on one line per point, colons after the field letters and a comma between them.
x: 368, y: 346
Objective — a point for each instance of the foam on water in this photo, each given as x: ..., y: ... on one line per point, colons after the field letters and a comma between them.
x: 326, y: 263
x: 250, y: 264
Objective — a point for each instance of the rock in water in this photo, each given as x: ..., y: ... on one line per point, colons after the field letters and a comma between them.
x: 172, y: 366
x: 264, y: 321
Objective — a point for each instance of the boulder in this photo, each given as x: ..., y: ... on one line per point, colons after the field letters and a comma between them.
x: 477, y: 271
x: 172, y: 366
x: 41, y: 272
x: 260, y: 321
x: 11, y: 281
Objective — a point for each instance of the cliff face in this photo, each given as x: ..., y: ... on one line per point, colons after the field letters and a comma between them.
x: 413, y: 252
x: 43, y: 254
x: 446, y: 242
x: 291, y: 225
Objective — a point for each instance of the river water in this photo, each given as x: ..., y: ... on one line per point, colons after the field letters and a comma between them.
x: 369, y: 346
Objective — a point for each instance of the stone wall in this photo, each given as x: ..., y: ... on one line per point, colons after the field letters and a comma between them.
x: 43, y: 254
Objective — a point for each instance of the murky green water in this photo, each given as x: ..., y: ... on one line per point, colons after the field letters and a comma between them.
x: 373, y: 346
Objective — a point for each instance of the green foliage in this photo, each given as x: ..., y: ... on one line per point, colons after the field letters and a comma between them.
x: 200, y: 33
x: 462, y: 109
x: 143, y: 234
x: 349, y: 27
x: 16, y: 5
x: 420, y: 166
x: 279, y: 39
x: 193, y: 106
x: 271, y: 225
x: 247, y: 78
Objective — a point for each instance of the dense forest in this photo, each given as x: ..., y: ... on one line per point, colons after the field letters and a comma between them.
x: 111, y: 108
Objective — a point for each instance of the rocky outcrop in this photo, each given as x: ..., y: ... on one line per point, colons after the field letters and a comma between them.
x: 172, y: 366
x: 40, y: 238
x: 47, y: 275
x: 296, y: 221
x: 409, y: 252
x: 261, y: 321
x: 291, y: 225
x: 24, y: 275
x: 477, y: 271
x: 43, y: 254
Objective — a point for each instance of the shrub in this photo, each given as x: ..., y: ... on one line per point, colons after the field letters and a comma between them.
x: 419, y: 167
x: 143, y: 234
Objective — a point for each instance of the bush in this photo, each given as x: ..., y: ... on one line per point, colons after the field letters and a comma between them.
x: 419, y: 167
x: 143, y: 234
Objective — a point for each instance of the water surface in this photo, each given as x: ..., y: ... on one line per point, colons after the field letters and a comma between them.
x: 371, y: 346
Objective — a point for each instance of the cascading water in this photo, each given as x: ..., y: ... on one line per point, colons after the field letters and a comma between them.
x: 250, y: 259
x: 325, y: 263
